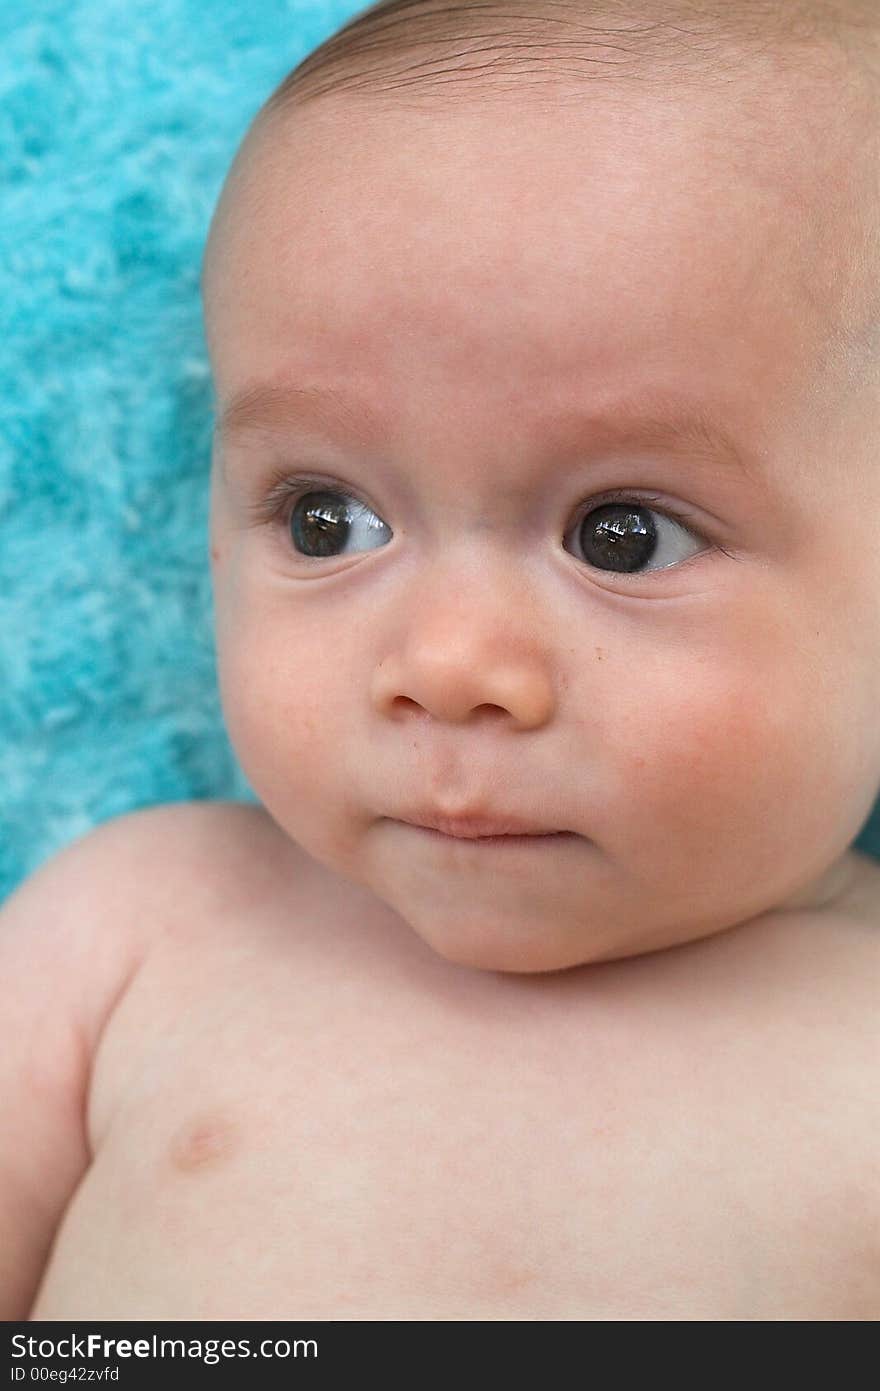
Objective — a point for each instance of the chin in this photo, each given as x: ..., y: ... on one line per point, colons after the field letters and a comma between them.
x: 494, y: 951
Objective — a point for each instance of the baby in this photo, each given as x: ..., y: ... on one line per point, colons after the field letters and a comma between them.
x: 542, y: 982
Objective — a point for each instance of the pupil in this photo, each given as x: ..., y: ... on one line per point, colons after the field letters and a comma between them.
x: 322, y: 526
x: 619, y: 537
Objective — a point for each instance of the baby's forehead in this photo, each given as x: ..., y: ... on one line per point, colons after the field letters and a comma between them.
x: 818, y: 163
x: 810, y: 135
x: 511, y: 205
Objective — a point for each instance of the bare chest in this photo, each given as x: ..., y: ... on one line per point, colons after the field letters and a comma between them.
x: 318, y: 1133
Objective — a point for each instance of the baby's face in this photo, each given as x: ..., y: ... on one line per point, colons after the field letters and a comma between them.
x: 513, y: 587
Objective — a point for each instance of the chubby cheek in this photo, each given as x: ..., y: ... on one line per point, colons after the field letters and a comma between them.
x: 279, y: 704
x: 737, y: 772
x: 695, y: 760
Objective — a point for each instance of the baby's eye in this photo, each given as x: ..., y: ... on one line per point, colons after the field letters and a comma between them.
x: 623, y: 537
x: 321, y: 523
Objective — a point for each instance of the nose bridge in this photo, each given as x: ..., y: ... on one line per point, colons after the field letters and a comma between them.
x: 476, y: 590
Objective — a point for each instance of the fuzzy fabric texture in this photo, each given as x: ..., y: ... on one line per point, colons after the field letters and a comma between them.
x: 118, y: 121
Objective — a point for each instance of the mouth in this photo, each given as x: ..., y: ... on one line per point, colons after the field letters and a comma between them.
x: 506, y: 841
x: 485, y: 830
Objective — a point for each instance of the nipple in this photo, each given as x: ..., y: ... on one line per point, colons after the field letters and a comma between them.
x: 203, y: 1142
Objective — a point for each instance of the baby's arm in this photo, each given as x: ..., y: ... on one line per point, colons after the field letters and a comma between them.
x: 66, y: 956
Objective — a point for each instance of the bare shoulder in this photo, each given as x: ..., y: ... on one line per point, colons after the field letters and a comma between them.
x: 846, y: 938
x: 180, y: 836
x: 838, y: 945
x: 825, y: 964
x: 204, y: 862
x: 861, y: 905
x: 105, y: 898
x: 177, y: 853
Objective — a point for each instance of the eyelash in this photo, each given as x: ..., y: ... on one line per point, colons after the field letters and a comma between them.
x: 285, y: 490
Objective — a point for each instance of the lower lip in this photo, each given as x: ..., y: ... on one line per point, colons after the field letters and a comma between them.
x: 505, y: 842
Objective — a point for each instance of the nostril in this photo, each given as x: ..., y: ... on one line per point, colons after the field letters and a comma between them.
x: 492, y: 710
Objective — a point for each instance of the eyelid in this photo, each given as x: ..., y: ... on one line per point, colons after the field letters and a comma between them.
x: 284, y: 489
x: 656, y: 504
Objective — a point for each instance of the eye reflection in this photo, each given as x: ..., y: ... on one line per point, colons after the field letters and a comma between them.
x: 321, y: 524
x: 623, y: 537
x: 620, y: 535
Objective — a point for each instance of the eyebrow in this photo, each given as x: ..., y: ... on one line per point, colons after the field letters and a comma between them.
x: 280, y: 405
x: 661, y: 422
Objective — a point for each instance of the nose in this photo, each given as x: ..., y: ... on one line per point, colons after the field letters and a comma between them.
x: 456, y: 664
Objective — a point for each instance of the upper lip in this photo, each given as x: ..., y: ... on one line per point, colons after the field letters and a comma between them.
x: 472, y: 827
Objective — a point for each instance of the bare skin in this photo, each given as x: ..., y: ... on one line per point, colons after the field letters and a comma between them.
x: 298, y: 1110
x: 313, y: 1062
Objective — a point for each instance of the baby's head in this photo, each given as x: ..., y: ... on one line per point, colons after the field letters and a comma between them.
x: 546, y: 350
